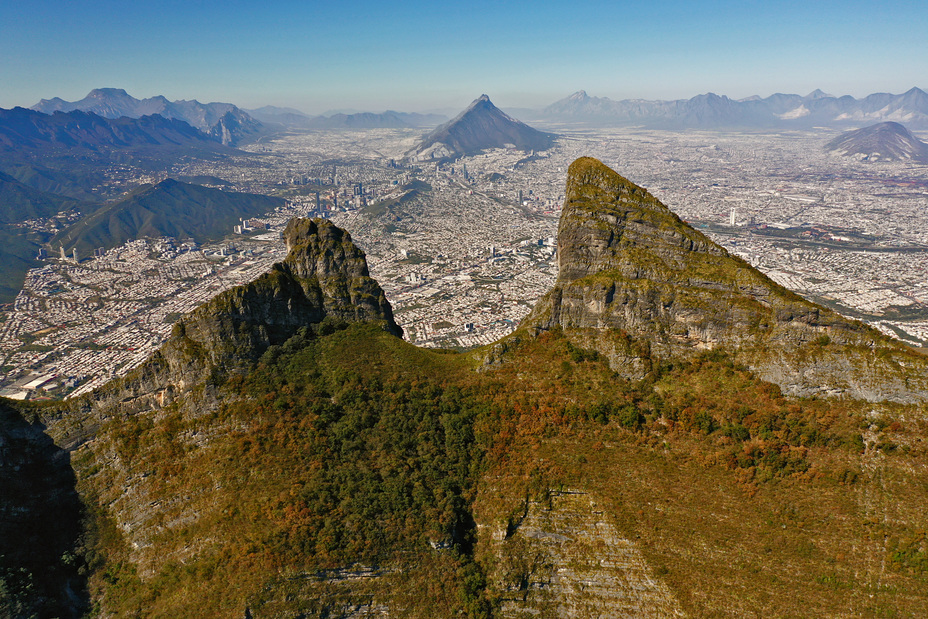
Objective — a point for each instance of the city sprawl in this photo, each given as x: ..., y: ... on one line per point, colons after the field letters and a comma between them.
x: 464, y: 249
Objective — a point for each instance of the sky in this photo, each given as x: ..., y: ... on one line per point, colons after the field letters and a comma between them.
x: 431, y: 55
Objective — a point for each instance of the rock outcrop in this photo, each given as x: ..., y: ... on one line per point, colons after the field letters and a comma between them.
x: 638, y: 284
x: 566, y: 559
x: 324, y: 276
x: 322, y: 284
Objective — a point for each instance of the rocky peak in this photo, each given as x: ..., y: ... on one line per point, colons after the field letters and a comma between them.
x: 638, y: 284
x: 318, y: 248
x: 324, y: 275
x: 324, y: 279
x: 606, y: 217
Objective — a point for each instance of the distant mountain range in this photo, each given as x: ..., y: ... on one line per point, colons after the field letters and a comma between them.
x: 481, y: 126
x: 223, y: 121
x: 887, y: 141
x: 713, y: 111
x: 291, y: 118
x: 69, y: 152
x: 29, y: 129
x: 169, y: 208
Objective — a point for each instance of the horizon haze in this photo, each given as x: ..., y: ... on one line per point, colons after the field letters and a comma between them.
x: 421, y: 58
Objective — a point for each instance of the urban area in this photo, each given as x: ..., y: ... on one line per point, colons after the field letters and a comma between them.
x: 464, y: 249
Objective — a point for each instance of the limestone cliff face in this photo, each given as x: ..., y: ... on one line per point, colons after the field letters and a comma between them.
x: 566, y: 559
x: 636, y: 283
x: 324, y: 276
x: 323, y: 280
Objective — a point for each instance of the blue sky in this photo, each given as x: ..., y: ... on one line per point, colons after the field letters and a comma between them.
x: 414, y: 56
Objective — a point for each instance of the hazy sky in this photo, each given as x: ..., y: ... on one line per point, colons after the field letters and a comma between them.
x: 414, y: 56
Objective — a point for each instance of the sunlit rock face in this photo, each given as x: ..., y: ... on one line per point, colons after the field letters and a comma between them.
x: 638, y: 284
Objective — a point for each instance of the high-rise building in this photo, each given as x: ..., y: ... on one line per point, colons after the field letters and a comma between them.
x: 731, y: 217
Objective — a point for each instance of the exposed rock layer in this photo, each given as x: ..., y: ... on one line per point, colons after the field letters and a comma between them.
x: 637, y: 284
x: 566, y: 559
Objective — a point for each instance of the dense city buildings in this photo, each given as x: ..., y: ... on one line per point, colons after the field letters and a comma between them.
x: 464, y: 248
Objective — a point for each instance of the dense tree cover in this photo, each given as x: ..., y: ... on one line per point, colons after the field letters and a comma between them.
x: 343, y: 469
x: 317, y: 464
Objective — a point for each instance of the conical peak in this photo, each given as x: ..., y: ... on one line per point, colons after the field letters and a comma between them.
x: 483, y: 101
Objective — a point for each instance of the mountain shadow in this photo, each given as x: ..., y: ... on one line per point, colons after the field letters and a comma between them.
x: 42, y: 572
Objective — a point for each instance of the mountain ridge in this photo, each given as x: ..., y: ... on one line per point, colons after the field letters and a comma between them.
x: 168, y: 208
x: 711, y: 110
x: 22, y: 129
x: 286, y: 454
x: 224, y: 121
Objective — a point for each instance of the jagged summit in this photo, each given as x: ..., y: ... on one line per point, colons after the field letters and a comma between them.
x: 322, y: 284
x: 638, y: 284
x: 479, y: 127
x: 324, y: 276
x: 887, y: 141
x: 223, y: 121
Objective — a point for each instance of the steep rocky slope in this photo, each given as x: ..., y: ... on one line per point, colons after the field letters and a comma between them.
x: 322, y: 285
x: 638, y: 284
x: 286, y: 455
